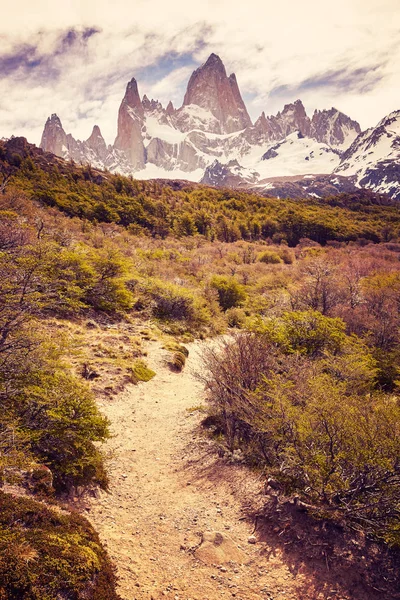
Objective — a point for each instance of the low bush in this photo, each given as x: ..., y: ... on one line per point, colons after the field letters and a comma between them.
x: 46, y: 554
x: 171, y: 301
x: 177, y: 361
x: 236, y: 317
x: 141, y: 372
x: 270, y: 257
x: 230, y: 292
x: 303, y: 402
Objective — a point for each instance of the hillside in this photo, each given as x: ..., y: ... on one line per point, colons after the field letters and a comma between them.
x: 106, y: 283
x: 163, y: 208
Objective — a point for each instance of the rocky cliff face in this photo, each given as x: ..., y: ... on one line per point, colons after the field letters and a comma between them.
x: 334, y: 128
x: 212, y: 90
x: 97, y: 144
x: 54, y: 138
x: 130, y: 124
x: 212, y: 137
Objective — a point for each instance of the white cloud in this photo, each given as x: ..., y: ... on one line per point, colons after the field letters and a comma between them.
x: 270, y: 45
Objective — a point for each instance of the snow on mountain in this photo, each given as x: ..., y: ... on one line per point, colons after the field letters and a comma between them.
x: 211, y: 138
x: 294, y: 155
x: 231, y: 174
x: 152, y: 171
x: 374, y: 157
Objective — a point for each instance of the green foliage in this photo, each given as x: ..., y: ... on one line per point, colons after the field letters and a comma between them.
x: 60, y: 415
x: 141, y: 372
x: 270, y: 257
x: 230, y: 292
x: 45, y: 554
x: 306, y: 332
x: 108, y: 292
x: 158, y: 210
x: 170, y: 301
x: 236, y: 317
x: 299, y: 396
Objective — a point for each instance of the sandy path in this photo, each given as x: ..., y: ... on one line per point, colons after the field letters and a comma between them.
x: 162, y: 498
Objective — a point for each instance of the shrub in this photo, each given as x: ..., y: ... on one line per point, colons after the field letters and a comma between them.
x: 310, y: 413
x: 236, y: 317
x: 178, y: 361
x: 307, y: 332
x: 171, y: 301
x: 141, y: 372
x: 61, y: 419
x: 230, y: 292
x: 286, y: 255
x: 270, y: 257
x: 46, y: 554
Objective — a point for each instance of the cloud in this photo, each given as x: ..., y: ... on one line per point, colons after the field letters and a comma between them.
x: 341, y: 80
x: 76, y: 58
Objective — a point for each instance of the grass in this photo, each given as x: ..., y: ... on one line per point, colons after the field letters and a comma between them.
x: 141, y: 372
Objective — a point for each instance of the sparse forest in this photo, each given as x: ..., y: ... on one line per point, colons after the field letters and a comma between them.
x: 307, y: 389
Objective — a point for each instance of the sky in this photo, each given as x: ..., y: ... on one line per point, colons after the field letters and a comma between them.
x: 75, y: 58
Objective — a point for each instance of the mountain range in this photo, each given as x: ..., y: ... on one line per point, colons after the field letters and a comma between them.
x: 212, y: 139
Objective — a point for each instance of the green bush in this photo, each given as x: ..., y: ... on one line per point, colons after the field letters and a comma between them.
x: 230, y: 292
x: 236, y: 317
x: 46, y: 554
x: 270, y: 257
x: 141, y: 372
x: 303, y: 404
x: 171, y: 301
x: 61, y: 422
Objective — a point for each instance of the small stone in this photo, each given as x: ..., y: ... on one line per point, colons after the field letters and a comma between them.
x: 252, y: 539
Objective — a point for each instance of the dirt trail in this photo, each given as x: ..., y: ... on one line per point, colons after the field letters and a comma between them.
x: 163, y: 497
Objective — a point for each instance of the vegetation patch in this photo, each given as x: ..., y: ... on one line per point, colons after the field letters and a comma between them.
x: 300, y: 397
x: 141, y: 372
x: 45, y: 554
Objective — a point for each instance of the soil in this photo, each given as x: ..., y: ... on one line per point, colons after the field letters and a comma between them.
x: 169, y: 487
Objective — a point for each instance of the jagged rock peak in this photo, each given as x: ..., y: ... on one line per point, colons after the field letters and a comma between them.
x: 150, y: 105
x: 97, y: 143
x: 334, y: 127
x: 296, y: 107
x: 54, y: 138
x: 132, y: 98
x: 54, y: 119
x: 214, y: 61
x: 130, y: 122
x: 170, y: 110
x: 210, y: 88
x: 96, y: 133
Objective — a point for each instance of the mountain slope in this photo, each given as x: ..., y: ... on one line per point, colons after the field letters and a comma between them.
x: 374, y: 157
x: 211, y: 138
